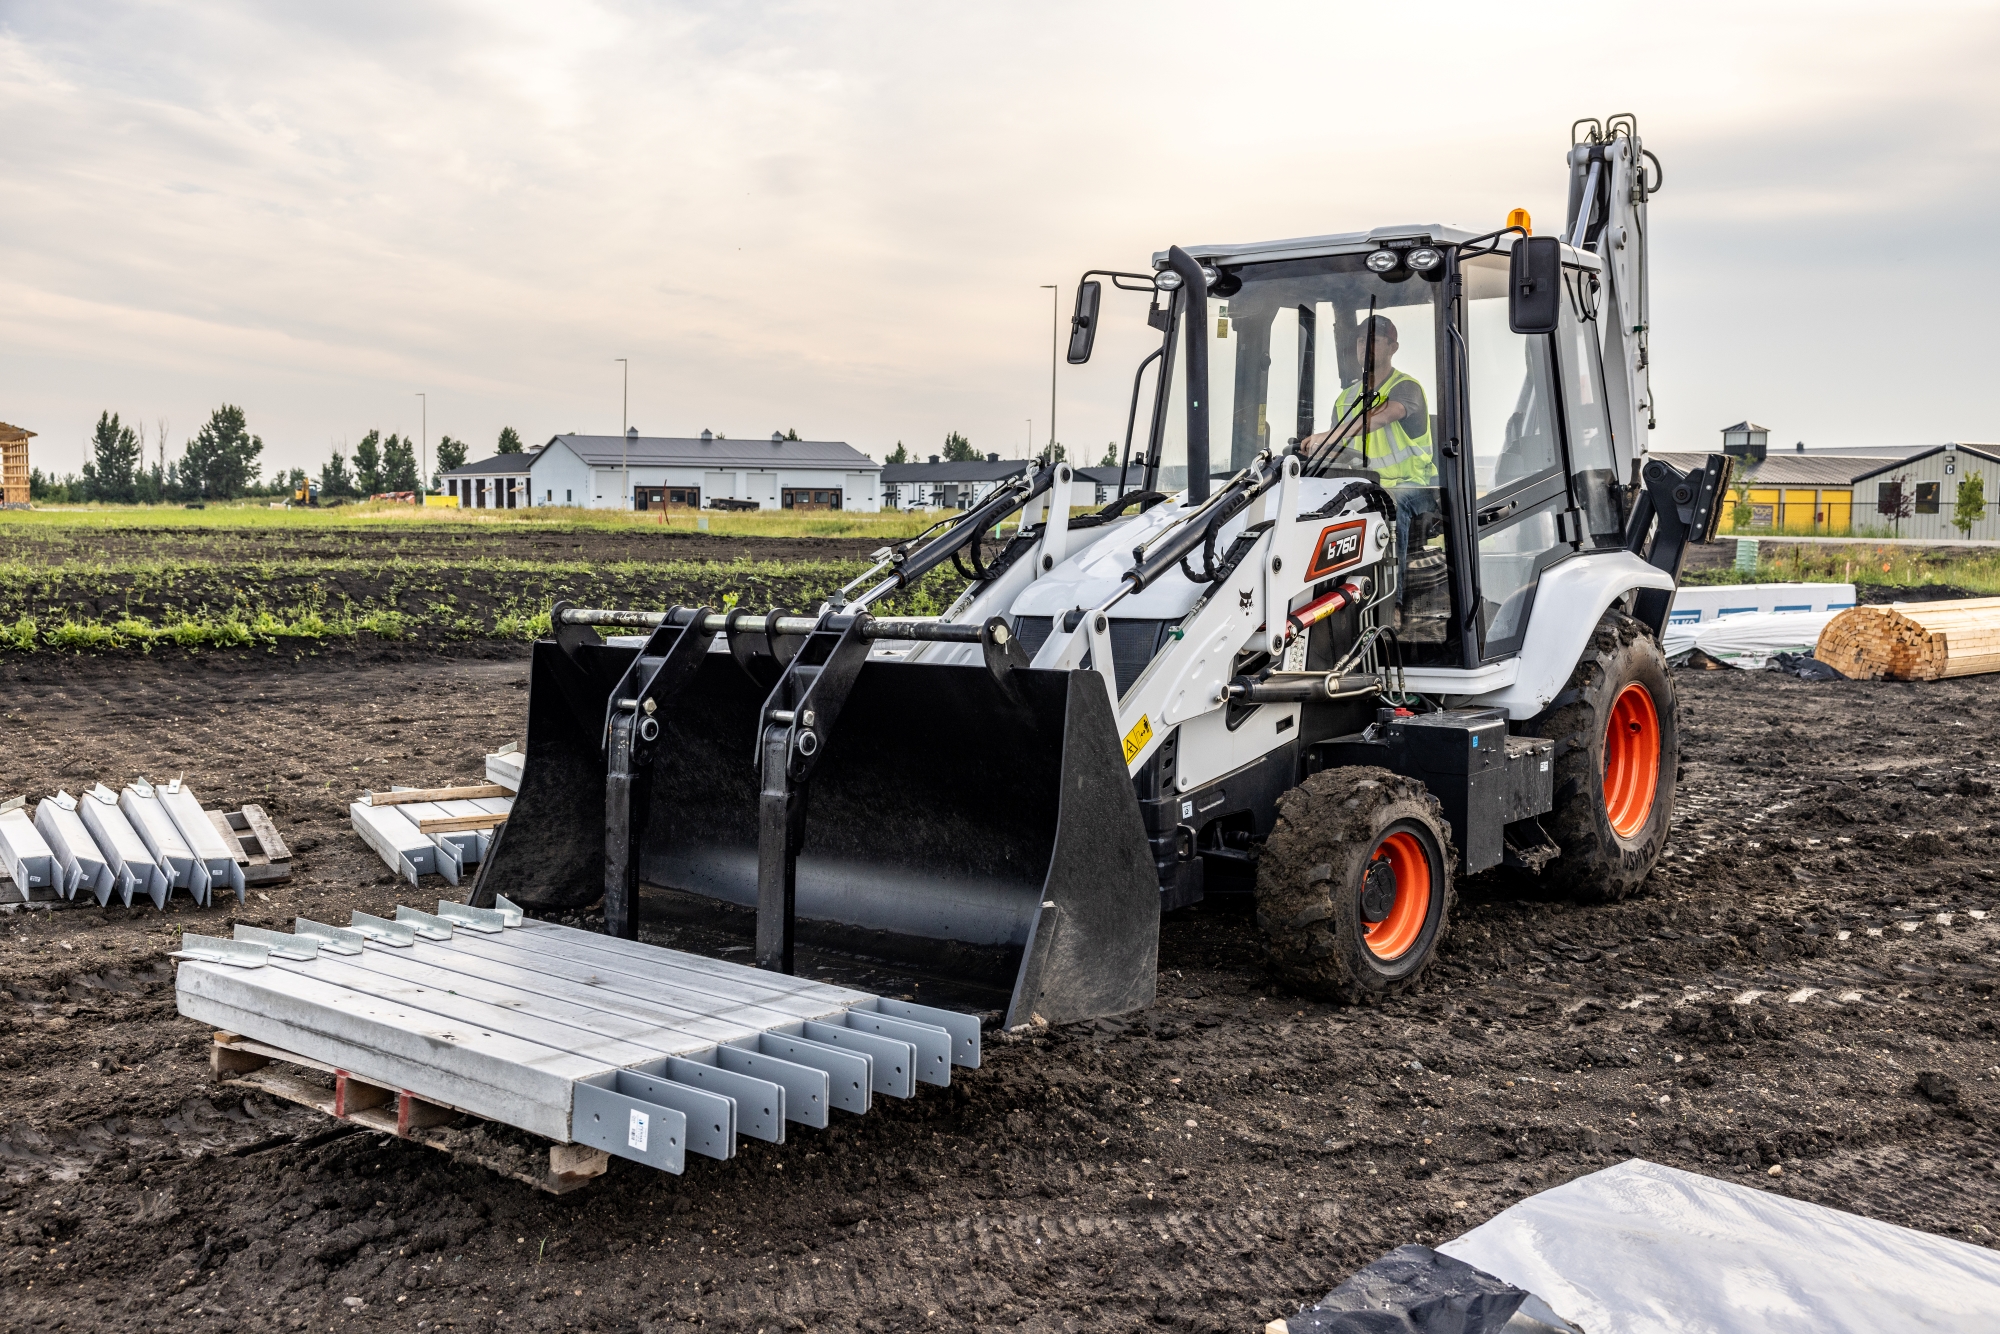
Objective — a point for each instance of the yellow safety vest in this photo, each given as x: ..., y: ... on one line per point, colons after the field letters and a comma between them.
x: 1400, y: 458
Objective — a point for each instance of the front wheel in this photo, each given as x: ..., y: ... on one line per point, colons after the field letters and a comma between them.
x: 1616, y: 726
x: 1354, y: 887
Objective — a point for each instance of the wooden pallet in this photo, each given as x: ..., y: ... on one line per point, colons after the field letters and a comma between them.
x: 260, y: 850
x: 238, y: 1062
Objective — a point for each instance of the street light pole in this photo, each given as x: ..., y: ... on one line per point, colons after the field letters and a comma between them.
x: 625, y: 426
x: 1054, y: 315
x: 424, y: 444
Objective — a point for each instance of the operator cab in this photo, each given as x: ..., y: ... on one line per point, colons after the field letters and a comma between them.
x: 1466, y: 428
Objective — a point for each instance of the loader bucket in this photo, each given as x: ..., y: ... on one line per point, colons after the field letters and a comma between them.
x: 949, y: 818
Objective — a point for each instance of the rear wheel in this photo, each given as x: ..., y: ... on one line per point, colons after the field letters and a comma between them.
x: 1354, y: 886
x: 1616, y: 727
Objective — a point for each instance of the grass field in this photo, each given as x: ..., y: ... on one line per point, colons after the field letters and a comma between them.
x: 98, y: 579
x: 1974, y: 569
x: 888, y: 525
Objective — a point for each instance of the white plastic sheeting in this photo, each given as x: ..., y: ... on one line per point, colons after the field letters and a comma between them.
x: 1750, y: 640
x: 1645, y: 1249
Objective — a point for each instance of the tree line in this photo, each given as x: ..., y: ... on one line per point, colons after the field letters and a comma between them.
x: 221, y: 462
x: 958, y: 449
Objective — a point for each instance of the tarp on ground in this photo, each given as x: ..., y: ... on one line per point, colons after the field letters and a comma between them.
x: 1645, y: 1249
x: 1749, y: 640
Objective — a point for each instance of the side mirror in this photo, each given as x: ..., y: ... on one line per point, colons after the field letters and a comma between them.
x: 1534, y: 285
x: 1083, y: 324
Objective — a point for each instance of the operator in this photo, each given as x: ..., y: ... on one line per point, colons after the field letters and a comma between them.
x: 1396, y: 437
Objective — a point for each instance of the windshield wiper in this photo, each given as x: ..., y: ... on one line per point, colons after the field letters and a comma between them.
x: 1356, y: 415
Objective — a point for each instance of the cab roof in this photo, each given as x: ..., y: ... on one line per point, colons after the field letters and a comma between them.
x: 1336, y: 243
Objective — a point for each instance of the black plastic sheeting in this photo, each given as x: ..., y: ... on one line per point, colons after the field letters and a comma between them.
x: 1415, y: 1290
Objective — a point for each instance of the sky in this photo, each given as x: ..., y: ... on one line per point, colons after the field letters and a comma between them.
x: 838, y: 217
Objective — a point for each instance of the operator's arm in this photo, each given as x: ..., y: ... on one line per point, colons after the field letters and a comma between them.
x: 1406, y: 405
x: 1392, y: 411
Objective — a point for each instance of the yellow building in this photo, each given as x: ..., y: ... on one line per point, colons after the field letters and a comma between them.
x: 1801, y: 495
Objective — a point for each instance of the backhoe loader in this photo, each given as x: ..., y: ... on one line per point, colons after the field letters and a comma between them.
x: 1377, y: 608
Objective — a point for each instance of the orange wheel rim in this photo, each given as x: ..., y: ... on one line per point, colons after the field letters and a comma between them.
x: 1631, y: 760
x: 1392, y: 937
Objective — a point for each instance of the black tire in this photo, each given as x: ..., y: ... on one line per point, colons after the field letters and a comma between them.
x: 1312, y: 875
x: 1599, y: 863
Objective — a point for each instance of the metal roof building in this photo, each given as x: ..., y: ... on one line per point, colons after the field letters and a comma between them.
x: 954, y: 485
x: 498, y: 483
x: 653, y: 472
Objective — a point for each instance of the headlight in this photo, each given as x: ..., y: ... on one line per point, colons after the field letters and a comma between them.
x: 1424, y: 258
x: 1209, y: 275
x: 1167, y: 280
x: 1384, y: 261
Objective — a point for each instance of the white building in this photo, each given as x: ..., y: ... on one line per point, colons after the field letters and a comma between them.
x: 959, y: 486
x: 947, y: 486
x: 591, y: 472
x: 1930, y: 480
x: 1098, y: 486
x: 498, y: 483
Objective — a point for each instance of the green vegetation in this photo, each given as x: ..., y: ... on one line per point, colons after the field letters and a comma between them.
x: 136, y: 579
x: 1976, y: 571
x: 892, y: 525
x: 1971, y: 506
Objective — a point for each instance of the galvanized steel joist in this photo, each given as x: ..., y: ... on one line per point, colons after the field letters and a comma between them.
x: 395, y: 830
x: 25, y: 853
x: 644, y: 1052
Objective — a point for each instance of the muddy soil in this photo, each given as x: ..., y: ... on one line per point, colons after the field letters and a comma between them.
x: 1805, y: 985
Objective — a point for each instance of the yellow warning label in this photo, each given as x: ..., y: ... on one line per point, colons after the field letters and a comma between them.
x: 1136, y: 739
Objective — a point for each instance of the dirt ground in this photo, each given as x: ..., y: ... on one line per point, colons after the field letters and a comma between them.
x: 1805, y: 985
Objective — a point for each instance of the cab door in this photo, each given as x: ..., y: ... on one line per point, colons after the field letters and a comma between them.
x: 1521, y: 487
x: 1587, y: 422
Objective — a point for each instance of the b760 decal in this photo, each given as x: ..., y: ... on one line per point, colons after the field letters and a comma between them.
x: 1339, y: 547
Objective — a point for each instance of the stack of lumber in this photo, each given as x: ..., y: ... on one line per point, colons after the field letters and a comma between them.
x: 1914, y: 641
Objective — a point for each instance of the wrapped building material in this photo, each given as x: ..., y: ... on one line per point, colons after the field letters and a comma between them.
x: 1749, y: 640
x: 83, y: 866
x: 1695, y: 604
x: 132, y: 865
x: 25, y: 854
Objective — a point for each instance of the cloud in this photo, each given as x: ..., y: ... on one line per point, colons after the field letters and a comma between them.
x: 837, y: 217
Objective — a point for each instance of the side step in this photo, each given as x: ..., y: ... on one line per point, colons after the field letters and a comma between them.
x: 613, y: 1045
